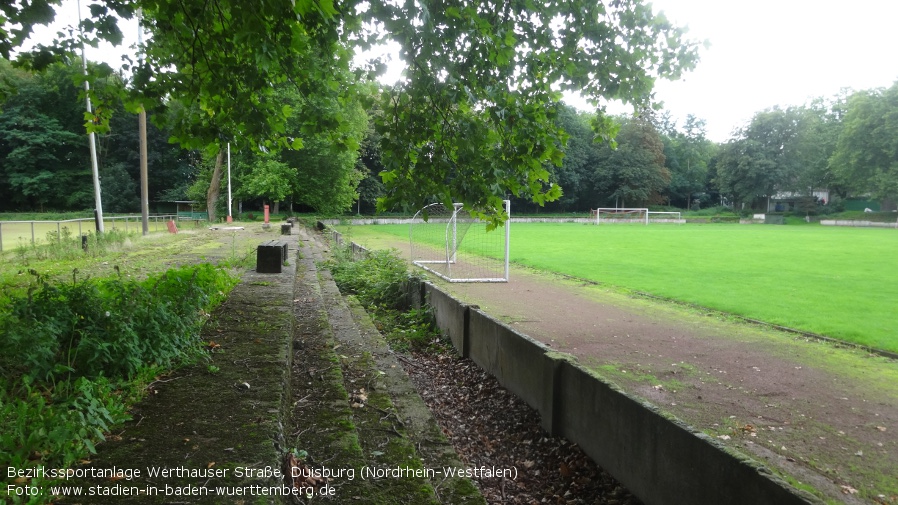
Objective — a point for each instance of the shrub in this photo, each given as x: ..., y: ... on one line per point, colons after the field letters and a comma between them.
x: 379, y: 280
x: 72, y: 356
x: 111, y: 327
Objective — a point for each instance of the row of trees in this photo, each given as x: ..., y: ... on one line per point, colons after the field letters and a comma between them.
x: 847, y: 144
x: 44, y: 158
x: 472, y: 120
x: 477, y: 118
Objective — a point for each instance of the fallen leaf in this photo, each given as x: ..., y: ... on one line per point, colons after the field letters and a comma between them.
x: 848, y: 490
x: 564, y: 469
x: 881, y: 428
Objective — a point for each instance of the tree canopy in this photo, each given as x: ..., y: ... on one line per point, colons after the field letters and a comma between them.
x: 866, y: 155
x: 473, y: 120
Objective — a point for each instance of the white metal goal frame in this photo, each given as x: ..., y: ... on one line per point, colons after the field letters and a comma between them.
x: 644, y: 216
x: 449, y: 261
x: 675, y: 215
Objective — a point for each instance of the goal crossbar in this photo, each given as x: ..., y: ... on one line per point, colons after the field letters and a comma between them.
x: 642, y: 214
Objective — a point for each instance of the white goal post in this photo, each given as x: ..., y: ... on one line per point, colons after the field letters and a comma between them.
x: 665, y: 216
x: 633, y: 215
x: 454, y: 245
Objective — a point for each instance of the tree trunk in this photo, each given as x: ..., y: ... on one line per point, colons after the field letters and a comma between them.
x: 277, y: 207
x: 214, y: 187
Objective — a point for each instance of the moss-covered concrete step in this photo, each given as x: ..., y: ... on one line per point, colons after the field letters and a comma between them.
x: 357, y: 416
x: 212, y: 432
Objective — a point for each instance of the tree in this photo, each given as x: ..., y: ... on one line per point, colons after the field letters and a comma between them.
x: 267, y: 177
x: 819, y: 127
x: 744, y: 171
x: 579, y: 160
x: 765, y: 158
x: 323, y: 174
x: 49, y: 103
x: 42, y: 162
x: 634, y: 174
x: 472, y: 121
x: 866, y: 155
x: 475, y: 118
x: 687, y: 153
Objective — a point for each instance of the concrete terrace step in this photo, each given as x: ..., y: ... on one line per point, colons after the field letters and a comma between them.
x: 212, y: 429
x: 298, y: 369
x: 376, y: 421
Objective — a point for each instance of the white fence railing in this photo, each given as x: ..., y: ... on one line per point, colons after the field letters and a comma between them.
x: 16, y: 233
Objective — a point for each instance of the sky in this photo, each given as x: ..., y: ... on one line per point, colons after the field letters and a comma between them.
x: 778, y: 52
x: 761, y: 53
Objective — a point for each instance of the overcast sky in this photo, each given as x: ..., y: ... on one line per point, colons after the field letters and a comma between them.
x: 762, y: 53
x: 778, y: 52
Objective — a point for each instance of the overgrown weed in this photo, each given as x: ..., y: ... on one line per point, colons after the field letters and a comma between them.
x: 380, y: 280
x: 75, y: 355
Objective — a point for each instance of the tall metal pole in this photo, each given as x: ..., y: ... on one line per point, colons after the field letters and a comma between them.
x: 144, y: 175
x: 98, y: 212
x: 230, y: 219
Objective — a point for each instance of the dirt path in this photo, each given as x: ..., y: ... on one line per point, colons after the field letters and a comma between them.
x: 823, y: 417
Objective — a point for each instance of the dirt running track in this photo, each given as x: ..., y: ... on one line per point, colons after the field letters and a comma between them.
x: 825, y: 418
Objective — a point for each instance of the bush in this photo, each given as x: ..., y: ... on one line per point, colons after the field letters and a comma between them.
x: 713, y: 211
x: 379, y: 280
x: 106, y: 328
x: 73, y: 355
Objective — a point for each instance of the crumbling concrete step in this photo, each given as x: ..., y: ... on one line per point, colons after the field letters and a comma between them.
x: 212, y: 432
x: 356, y: 408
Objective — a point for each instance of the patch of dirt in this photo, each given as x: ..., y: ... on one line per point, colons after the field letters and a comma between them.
x: 490, y: 427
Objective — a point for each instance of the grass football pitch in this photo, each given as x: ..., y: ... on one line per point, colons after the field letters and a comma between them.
x: 838, y: 282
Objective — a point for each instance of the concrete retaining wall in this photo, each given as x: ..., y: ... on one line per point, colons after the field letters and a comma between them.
x: 583, y: 220
x: 859, y: 224
x: 659, y: 458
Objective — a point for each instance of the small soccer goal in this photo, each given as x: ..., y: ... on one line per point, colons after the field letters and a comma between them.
x: 633, y: 216
x: 452, y: 244
x: 672, y: 217
x: 605, y: 215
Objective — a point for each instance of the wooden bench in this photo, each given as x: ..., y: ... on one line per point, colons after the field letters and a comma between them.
x: 270, y: 256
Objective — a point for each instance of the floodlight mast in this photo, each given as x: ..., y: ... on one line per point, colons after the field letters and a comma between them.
x: 90, y: 135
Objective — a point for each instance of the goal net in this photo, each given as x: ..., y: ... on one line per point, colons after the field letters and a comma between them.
x: 454, y: 245
x: 665, y: 217
x: 604, y: 215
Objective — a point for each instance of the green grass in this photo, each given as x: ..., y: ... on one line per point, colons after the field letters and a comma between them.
x: 839, y: 282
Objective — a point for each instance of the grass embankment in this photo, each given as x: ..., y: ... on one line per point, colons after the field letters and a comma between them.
x: 82, y: 333
x: 839, y: 282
